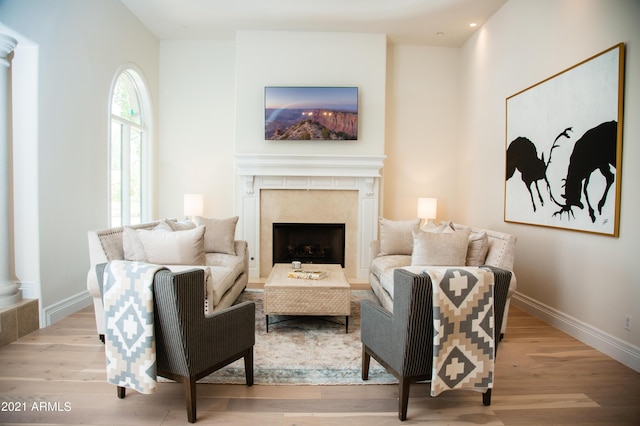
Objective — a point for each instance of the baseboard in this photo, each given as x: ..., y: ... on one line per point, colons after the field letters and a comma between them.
x: 66, y: 307
x: 612, y: 346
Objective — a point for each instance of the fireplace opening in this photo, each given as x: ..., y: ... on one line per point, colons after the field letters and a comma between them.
x: 309, y: 242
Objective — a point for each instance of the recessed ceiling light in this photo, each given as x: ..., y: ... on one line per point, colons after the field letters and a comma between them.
x: 473, y: 24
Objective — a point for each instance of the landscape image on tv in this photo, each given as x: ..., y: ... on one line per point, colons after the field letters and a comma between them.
x: 311, y: 113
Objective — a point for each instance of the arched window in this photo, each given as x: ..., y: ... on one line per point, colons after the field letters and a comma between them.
x: 129, y: 151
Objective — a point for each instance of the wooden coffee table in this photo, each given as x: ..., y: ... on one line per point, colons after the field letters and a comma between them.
x: 328, y: 296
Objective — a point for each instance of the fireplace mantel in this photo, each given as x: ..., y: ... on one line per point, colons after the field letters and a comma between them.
x: 309, y: 165
x: 257, y: 172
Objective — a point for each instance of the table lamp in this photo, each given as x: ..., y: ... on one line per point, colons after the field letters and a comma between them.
x: 193, y: 205
x: 427, y: 208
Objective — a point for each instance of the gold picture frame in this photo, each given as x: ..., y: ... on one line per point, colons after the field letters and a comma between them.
x: 564, y: 148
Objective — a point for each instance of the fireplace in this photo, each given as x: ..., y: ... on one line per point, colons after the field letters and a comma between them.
x: 308, y: 188
x: 309, y: 242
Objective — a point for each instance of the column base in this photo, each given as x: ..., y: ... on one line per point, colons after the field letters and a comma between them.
x: 9, y: 294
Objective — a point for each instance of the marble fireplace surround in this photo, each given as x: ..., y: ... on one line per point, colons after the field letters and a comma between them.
x: 277, y: 181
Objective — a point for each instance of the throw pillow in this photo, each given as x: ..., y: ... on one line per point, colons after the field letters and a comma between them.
x: 220, y: 234
x: 439, y: 228
x: 478, y: 248
x: 440, y: 249
x: 132, y: 246
x: 396, y: 236
x: 163, y: 226
x: 174, y: 248
x: 181, y: 225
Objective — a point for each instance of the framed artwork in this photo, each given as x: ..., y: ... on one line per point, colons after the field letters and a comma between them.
x: 310, y: 113
x: 564, y: 148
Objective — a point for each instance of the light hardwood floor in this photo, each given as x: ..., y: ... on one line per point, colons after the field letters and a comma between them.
x: 543, y: 377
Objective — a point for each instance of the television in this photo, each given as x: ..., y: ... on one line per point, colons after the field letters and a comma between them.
x: 310, y: 113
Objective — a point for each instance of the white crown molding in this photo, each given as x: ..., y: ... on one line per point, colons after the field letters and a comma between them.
x: 309, y: 165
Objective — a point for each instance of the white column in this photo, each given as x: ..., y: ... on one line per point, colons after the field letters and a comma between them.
x: 9, y: 292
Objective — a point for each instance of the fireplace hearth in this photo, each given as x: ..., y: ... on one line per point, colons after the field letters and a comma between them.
x: 309, y: 243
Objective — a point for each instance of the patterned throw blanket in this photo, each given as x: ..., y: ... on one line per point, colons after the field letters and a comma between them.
x: 129, y: 337
x: 463, y: 341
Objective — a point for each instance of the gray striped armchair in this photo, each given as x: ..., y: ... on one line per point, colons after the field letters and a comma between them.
x: 402, y: 341
x: 189, y: 344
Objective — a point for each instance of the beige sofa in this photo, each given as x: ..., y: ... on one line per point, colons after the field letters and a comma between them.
x: 401, y: 245
x: 208, y: 244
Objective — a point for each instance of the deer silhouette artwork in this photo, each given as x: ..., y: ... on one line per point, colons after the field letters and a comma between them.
x: 522, y: 155
x: 595, y: 150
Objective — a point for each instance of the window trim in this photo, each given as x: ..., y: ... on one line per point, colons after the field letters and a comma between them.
x: 146, y: 126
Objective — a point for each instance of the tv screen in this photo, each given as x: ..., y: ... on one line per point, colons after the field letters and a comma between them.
x: 310, y: 113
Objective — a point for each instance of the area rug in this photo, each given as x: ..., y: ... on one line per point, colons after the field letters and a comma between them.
x: 305, y: 350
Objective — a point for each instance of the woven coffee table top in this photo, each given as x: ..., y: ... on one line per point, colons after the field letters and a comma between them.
x: 330, y: 295
x: 279, y: 277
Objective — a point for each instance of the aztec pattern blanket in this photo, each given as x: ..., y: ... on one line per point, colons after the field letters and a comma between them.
x: 463, y: 340
x: 129, y: 336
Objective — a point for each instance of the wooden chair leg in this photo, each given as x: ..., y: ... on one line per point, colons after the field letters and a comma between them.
x: 403, y: 397
x: 121, y: 391
x: 189, y: 384
x: 248, y: 366
x: 486, y: 397
x: 366, y: 360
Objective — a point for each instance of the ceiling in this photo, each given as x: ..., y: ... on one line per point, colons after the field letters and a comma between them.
x: 420, y: 22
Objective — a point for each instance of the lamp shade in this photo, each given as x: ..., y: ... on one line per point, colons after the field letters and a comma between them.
x: 193, y: 204
x: 427, y: 208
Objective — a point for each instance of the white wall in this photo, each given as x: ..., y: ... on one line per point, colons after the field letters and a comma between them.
x: 581, y: 282
x: 309, y: 59
x: 80, y: 45
x: 213, y: 105
x: 423, y: 130
x: 197, y: 126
